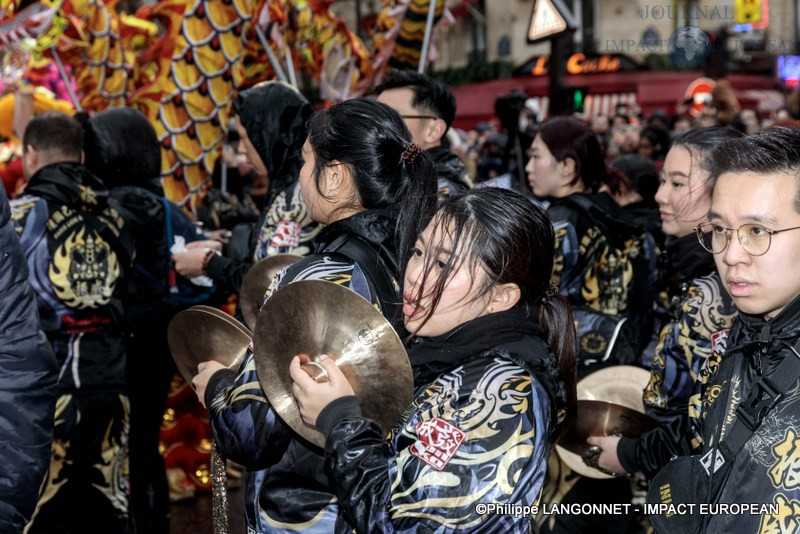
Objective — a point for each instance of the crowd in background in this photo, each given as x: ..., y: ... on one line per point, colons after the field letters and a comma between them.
x: 111, y: 261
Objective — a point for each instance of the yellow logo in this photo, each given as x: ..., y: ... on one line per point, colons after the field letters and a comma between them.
x: 84, y: 270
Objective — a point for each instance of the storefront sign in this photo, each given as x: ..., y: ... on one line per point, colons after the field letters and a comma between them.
x: 580, y: 64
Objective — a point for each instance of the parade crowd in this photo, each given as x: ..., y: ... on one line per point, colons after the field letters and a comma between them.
x: 513, y: 260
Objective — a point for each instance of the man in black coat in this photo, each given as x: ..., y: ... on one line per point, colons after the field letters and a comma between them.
x: 28, y: 375
x: 79, y: 252
x: 428, y: 108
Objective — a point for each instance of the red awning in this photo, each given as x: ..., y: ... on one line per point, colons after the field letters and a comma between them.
x: 648, y: 89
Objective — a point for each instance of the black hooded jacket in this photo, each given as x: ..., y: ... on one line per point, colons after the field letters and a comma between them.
x: 274, y: 115
x: 79, y: 251
x: 132, y: 177
x: 286, y: 480
x: 764, y: 471
x: 604, y: 264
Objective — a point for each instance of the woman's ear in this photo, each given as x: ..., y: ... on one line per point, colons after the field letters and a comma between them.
x: 333, y: 178
x: 504, y: 297
x: 567, y: 168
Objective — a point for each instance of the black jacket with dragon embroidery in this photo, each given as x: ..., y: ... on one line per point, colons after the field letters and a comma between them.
x: 699, y: 317
x: 767, y: 469
x: 287, y: 488
x: 478, y: 433
x: 274, y: 114
x: 698, y: 321
x: 79, y: 253
x: 606, y: 266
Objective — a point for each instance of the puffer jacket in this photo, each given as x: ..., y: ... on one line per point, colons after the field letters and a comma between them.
x: 28, y: 375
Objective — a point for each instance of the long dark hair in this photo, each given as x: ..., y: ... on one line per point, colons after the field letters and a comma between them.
x: 375, y: 144
x: 503, y: 233
x: 568, y: 138
x: 700, y: 142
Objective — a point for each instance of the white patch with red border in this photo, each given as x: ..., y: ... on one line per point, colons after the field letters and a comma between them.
x: 719, y: 340
x: 287, y: 234
x: 437, y: 442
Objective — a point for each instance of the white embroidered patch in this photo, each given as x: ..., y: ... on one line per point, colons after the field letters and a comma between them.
x: 437, y: 442
x: 719, y: 340
x: 287, y: 234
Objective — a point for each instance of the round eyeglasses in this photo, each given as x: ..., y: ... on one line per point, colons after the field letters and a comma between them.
x: 419, y: 117
x: 754, y: 238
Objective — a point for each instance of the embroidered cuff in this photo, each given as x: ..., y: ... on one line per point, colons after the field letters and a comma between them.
x: 223, y: 375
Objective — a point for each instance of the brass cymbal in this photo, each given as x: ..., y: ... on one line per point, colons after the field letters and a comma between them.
x: 315, y: 317
x: 203, y: 333
x: 598, y: 418
x: 257, y: 281
x: 619, y: 384
x: 609, y: 403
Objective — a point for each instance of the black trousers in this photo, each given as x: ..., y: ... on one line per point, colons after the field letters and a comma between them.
x: 149, y: 373
x: 86, y: 488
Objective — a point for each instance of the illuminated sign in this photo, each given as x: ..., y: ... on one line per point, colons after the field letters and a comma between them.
x: 581, y: 64
x: 698, y: 94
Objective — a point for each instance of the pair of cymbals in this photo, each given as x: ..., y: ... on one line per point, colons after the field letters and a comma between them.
x: 257, y: 281
x: 203, y: 333
x: 609, y: 404
x: 309, y: 318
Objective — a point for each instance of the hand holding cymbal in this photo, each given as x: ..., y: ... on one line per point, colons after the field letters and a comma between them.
x: 197, y: 336
x: 609, y: 404
x: 316, y: 385
x: 312, y: 318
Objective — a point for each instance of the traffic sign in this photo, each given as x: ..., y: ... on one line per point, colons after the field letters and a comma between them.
x: 698, y: 94
x: 550, y: 18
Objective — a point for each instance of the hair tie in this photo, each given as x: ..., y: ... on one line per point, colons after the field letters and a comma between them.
x: 549, y: 293
x: 411, y: 152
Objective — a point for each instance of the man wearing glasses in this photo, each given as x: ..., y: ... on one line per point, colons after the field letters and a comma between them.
x: 751, y: 230
x: 428, y: 108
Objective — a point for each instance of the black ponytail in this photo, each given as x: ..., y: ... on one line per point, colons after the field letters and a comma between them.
x: 555, y: 317
x: 371, y: 139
